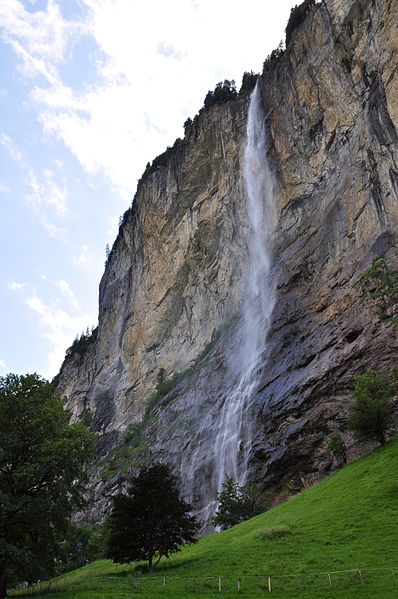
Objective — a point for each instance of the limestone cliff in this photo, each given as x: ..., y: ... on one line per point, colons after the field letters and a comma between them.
x: 170, y: 296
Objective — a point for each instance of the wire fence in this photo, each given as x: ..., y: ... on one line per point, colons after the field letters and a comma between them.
x: 304, y: 584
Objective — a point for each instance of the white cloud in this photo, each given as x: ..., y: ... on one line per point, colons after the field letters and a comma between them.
x: 4, y: 188
x: 38, y: 38
x: 65, y: 289
x: 60, y: 328
x: 150, y: 78
x: 47, y: 193
x: 14, y: 286
x: 13, y: 151
x: 85, y: 258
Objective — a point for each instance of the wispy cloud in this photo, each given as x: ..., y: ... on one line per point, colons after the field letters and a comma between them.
x: 47, y: 193
x: 15, y: 286
x: 59, y: 327
x: 11, y: 148
x: 66, y: 290
x: 3, y: 367
x: 85, y: 257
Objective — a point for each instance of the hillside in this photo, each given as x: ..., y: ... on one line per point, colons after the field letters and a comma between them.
x: 347, y: 522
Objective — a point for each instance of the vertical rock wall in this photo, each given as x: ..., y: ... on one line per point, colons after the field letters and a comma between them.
x: 171, y: 289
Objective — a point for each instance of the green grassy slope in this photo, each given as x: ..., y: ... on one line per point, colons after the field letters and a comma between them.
x: 349, y: 521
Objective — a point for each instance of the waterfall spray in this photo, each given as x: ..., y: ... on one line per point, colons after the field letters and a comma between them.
x: 232, y: 445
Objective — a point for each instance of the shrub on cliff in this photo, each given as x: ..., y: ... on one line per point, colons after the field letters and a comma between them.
x: 248, y: 83
x: 151, y: 520
x: 223, y: 92
x: 297, y: 16
x: 371, y: 414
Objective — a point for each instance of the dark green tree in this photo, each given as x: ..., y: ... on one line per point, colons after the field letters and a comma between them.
x: 248, y: 83
x: 151, y: 520
x: 297, y: 16
x: 223, y: 92
x: 337, y: 447
x: 371, y: 413
x: 41, y: 476
x: 236, y: 503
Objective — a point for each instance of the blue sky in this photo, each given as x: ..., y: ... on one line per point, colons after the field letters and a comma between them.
x: 90, y: 91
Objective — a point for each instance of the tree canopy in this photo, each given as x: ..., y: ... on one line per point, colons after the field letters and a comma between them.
x: 236, y: 503
x: 42, y: 460
x: 150, y: 520
x: 372, y: 411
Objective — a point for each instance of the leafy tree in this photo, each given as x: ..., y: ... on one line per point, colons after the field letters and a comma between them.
x: 337, y: 447
x: 371, y: 414
x: 236, y: 503
x: 151, y: 520
x: 41, y: 476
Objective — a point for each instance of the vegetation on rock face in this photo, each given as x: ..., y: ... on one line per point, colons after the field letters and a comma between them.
x: 371, y: 414
x: 223, y: 92
x: 381, y: 282
x: 249, y: 81
x: 151, y: 520
x: 337, y: 447
x: 297, y: 16
x: 236, y: 503
x: 42, y: 461
x: 272, y: 59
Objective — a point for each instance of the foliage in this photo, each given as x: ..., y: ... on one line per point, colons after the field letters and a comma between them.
x: 248, y: 83
x: 223, y: 92
x: 236, y: 503
x: 82, y: 343
x: 346, y: 521
x: 272, y: 59
x: 297, y: 16
x: 337, y: 447
x: 41, y: 475
x: 382, y: 285
x: 371, y: 414
x: 151, y: 520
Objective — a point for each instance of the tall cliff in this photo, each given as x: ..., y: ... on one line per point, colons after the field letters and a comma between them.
x: 170, y: 301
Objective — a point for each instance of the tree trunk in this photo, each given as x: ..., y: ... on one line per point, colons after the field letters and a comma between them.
x: 3, y: 588
x: 150, y: 567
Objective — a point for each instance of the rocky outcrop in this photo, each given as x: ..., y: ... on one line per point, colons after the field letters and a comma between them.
x: 171, y: 291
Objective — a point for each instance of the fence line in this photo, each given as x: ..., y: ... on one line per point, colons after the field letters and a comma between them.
x: 229, y: 583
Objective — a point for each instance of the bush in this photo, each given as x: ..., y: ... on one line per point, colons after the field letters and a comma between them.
x: 297, y: 16
x: 337, y: 447
x: 274, y: 533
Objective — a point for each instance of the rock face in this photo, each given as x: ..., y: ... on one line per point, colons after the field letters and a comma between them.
x: 170, y: 296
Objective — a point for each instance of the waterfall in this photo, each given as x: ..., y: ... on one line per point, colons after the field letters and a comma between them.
x: 233, y: 440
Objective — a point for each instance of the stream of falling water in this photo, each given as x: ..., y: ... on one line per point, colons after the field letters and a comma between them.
x: 233, y: 441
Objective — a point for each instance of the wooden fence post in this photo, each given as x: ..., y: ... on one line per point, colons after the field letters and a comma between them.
x: 219, y: 584
x: 361, y: 577
x: 164, y: 581
x: 330, y: 580
x: 238, y: 585
x: 269, y: 584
